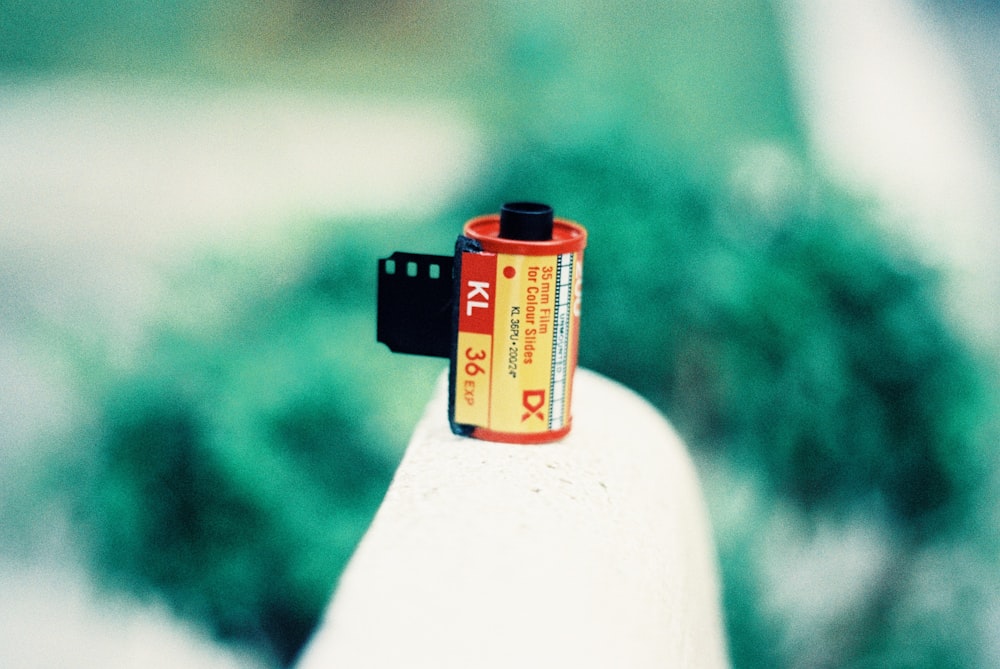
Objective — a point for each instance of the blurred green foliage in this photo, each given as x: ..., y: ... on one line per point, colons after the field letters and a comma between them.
x: 236, y: 472
x: 798, y: 341
x: 245, y: 449
x: 47, y: 34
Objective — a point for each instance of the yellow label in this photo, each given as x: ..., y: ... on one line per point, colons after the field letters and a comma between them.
x: 516, y: 378
x: 472, y: 378
x: 523, y: 323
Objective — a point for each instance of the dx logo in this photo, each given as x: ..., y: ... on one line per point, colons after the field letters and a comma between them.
x: 533, y: 401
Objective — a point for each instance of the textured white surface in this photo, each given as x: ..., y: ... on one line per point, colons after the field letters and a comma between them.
x: 591, y: 552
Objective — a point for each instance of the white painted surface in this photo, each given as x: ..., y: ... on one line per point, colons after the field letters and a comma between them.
x: 591, y: 552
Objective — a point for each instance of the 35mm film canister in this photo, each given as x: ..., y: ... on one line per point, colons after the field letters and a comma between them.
x: 505, y: 309
x: 519, y: 276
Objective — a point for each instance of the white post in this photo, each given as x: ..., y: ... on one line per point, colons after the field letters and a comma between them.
x: 594, y: 551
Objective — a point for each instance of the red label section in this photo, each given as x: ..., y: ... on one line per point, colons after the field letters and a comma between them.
x: 477, y: 293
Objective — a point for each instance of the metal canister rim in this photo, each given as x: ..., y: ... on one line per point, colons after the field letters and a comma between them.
x: 567, y: 237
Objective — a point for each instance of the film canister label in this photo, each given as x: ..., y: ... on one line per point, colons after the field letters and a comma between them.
x: 517, y: 332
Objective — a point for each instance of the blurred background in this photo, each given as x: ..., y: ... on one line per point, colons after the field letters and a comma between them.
x: 794, y: 221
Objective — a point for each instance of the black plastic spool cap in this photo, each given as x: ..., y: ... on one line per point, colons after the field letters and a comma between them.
x: 526, y: 221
